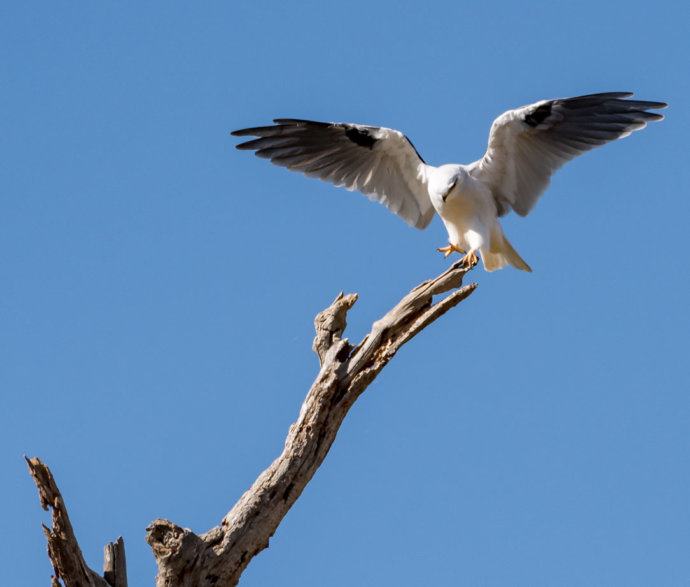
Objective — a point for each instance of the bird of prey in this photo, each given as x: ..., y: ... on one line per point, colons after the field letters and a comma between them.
x: 526, y: 146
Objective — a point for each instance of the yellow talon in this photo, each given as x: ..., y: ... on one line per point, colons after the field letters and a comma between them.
x: 449, y: 249
x: 470, y: 259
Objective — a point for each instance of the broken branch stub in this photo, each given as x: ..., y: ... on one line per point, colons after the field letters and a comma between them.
x: 63, y: 549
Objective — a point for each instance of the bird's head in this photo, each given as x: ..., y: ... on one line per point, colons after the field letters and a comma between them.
x: 445, y: 178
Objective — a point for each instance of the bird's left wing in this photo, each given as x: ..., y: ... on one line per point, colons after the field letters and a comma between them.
x: 527, y: 145
x: 379, y: 162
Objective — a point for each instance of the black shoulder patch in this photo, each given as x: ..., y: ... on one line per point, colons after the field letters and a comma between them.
x: 361, y: 137
x: 415, y: 150
x: 537, y: 116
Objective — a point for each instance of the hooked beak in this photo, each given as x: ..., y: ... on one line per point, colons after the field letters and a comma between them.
x: 450, y: 189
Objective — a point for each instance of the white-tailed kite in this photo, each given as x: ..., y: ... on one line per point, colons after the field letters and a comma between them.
x: 526, y: 146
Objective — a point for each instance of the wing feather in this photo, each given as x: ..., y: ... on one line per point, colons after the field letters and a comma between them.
x: 527, y: 145
x: 380, y: 162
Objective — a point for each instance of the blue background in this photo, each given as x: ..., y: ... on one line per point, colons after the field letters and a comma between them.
x: 159, y: 289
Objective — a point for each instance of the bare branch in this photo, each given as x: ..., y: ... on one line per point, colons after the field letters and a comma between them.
x: 218, y: 557
x: 63, y: 548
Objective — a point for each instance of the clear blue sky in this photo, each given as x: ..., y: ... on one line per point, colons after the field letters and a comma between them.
x: 159, y: 289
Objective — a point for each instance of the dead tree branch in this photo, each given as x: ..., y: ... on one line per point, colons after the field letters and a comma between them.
x: 63, y: 548
x: 218, y: 557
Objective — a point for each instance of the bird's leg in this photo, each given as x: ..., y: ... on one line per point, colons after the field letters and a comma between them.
x: 470, y: 259
x: 449, y: 249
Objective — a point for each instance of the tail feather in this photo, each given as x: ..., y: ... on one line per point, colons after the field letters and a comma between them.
x: 501, y: 254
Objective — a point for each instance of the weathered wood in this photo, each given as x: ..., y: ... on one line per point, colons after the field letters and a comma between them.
x: 63, y: 549
x: 218, y: 557
x: 115, y: 564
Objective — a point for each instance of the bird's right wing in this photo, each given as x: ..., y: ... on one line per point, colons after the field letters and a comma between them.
x: 527, y: 145
x: 379, y: 162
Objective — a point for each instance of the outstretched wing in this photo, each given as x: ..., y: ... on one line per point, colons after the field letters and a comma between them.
x: 379, y: 162
x: 527, y: 145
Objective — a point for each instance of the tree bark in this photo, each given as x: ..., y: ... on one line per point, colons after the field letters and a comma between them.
x: 63, y: 548
x: 114, y: 563
x: 219, y: 556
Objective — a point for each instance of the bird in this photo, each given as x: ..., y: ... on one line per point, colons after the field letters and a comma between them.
x: 526, y: 146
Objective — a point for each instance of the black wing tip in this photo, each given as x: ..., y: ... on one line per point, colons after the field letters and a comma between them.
x: 651, y: 105
x: 299, y: 122
x: 657, y: 106
x: 244, y: 146
x: 278, y: 122
x: 654, y: 116
x: 249, y: 132
x: 647, y: 104
x: 604, y: 96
